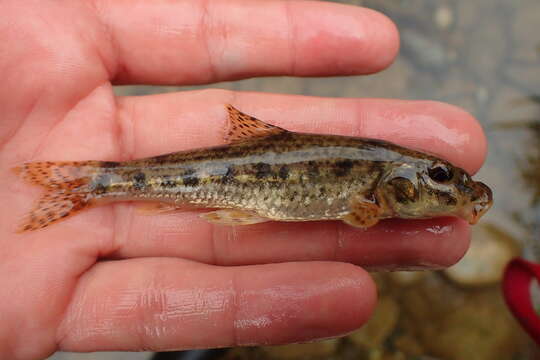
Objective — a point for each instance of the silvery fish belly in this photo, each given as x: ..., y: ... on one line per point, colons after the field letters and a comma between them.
x: 267, y: 173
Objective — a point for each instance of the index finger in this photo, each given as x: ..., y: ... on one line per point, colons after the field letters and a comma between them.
x: 158, y: 124
x: 197, y: 119
x: 196, y: 41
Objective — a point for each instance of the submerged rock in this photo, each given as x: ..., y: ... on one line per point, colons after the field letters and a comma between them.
x: 490, y: 250
x: 379, y: 327
x: 313, y: 350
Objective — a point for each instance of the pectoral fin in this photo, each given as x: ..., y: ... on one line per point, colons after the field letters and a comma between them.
x: 365, y: 212
x: 233, y: 217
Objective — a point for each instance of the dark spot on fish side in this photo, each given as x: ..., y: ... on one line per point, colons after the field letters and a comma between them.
x: 139, y: 180
x: 283, y: 172
x: 139, y: 177
x: 191, y: 181
x: 293, y: 196
x: 262, y: 170
x: 313, y: 169
x: 101, y: 183
x: 99, y: 188
x: 343, y: 167
x: 228, y: 178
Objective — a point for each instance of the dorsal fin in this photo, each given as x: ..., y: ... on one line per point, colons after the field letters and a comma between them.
x: 243, y: 126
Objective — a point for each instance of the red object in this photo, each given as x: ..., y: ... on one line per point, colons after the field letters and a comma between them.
x: 516, y: 287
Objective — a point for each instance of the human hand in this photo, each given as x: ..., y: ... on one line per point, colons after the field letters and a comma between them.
x: 109, y: 279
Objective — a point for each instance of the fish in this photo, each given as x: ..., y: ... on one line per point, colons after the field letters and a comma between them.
x: 266, y: 173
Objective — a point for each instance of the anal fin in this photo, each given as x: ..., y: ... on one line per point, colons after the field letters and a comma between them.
x: 233, y: 217
x: 161, y: 208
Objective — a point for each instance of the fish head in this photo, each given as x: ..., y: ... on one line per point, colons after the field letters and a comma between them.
x: 434, y: 188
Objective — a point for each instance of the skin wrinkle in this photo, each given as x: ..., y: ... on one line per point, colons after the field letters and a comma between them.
x: 31, y: 108
x: 62, y: 331
x: 125, y: 134
x: 118, y: 69
x: 213, y: 242
x: 39, y: 147
x: 102, y: 250
x: 62, y: 118
x: 110, y: 247
x: 122, y: 219
x: 235, y: 291
x: 291, y: 37
x: 230, y: 237
x: 140, y: 332
x: 204, y: 27
x: 340, y: 241
x: 118, y: 129
x: 155, y: 299
x: 159, y: 305
x: 110, y: 61
x: 286, y: 293
x: 127, y: 113
x: 75, y: 101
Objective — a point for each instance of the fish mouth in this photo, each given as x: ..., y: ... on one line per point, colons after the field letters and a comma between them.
x: 481, y: 202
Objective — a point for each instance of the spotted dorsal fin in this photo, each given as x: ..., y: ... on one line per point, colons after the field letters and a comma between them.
x: 243, y: 127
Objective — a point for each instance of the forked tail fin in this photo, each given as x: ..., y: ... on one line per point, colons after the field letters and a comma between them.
x: 67, y: 190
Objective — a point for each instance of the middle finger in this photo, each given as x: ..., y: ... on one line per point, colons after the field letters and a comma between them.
x: 165, y: 123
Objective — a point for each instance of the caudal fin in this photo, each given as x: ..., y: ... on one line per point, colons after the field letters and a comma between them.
x: 67, y: 190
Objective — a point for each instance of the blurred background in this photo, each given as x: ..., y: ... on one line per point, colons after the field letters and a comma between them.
x: 484, y: 56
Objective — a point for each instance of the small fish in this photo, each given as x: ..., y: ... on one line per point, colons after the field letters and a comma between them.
x: 267, y: 173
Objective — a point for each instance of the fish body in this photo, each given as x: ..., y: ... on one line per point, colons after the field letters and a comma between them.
x: 268, y: 173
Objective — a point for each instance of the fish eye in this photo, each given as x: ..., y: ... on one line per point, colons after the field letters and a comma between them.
x: 440, y: 173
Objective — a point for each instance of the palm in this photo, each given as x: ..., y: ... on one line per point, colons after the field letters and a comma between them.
x: 171, y: 286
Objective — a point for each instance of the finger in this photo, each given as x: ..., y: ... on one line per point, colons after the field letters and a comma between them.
x: 190, y: 42
x: 392, y: 244
x: 165, y: 304
x: 196, y: 118
x: 152, y: 125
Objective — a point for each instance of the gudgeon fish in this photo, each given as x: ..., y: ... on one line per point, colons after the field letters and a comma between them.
x: 267, y: 173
